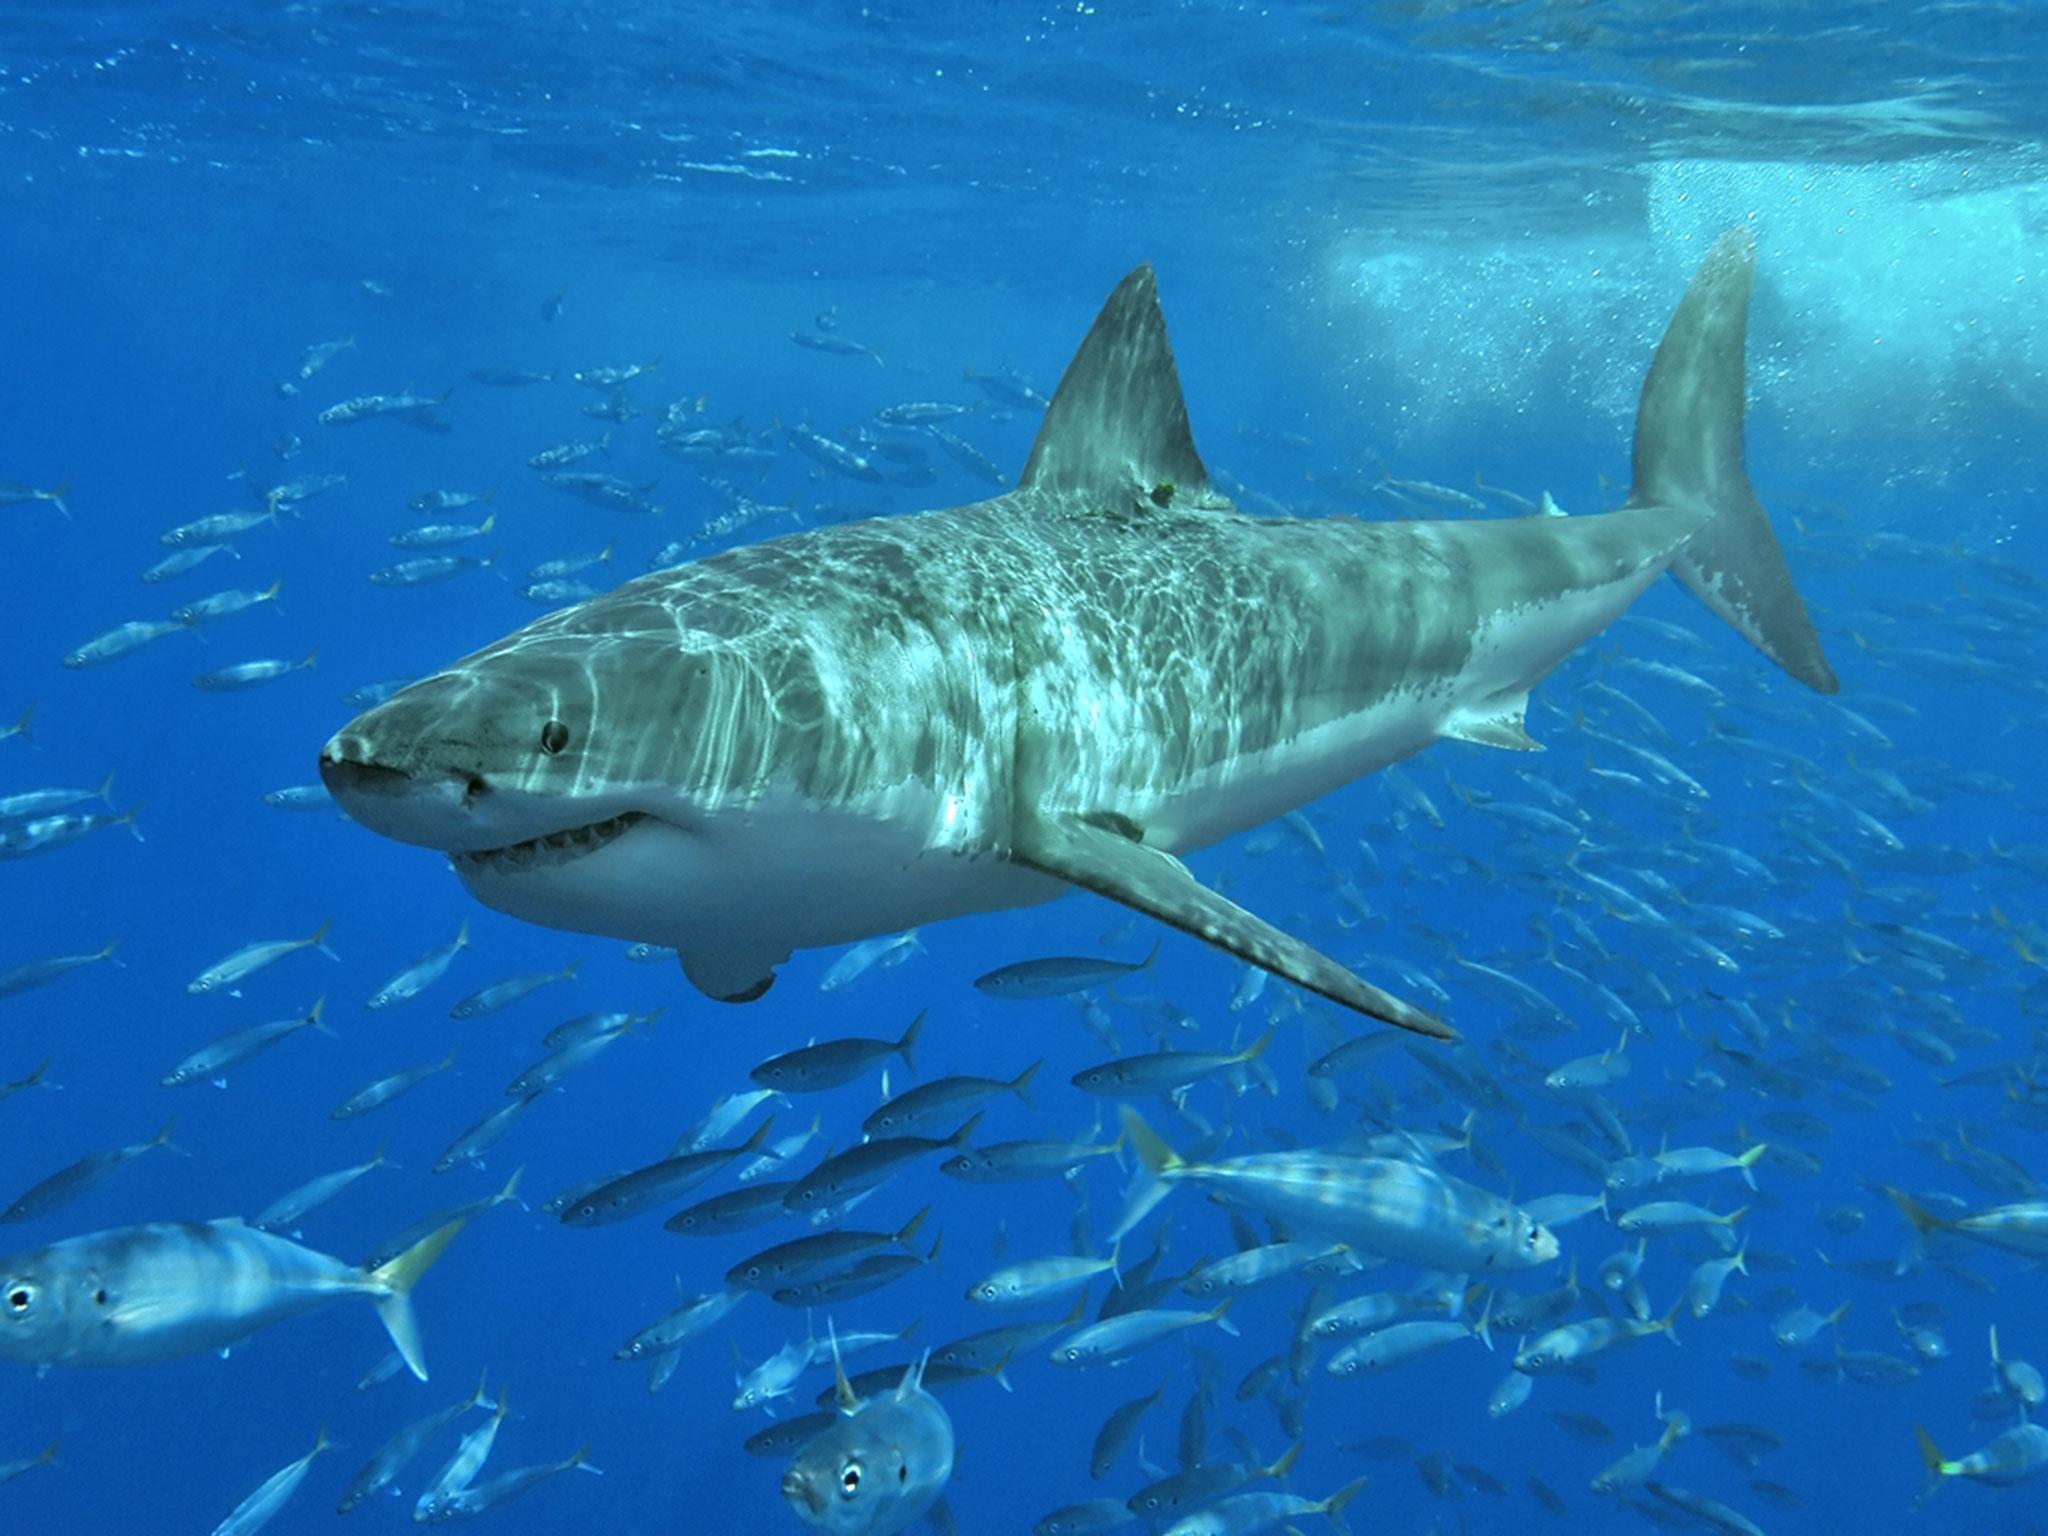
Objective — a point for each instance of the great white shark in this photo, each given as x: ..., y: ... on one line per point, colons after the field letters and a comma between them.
x: 861, y: 728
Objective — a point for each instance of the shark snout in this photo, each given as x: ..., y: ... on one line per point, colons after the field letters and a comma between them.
x: 430, y: 809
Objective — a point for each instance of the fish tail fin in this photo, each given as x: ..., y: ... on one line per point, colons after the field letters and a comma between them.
x: 1733, y: 1216
x: 1938, y: 1466
x: 49, y: 1453
x: 22, y: 722
x: 959, y: 1139
x: 907, y: 1234
x: 314, y: 1019
x: 1159, y: 1159
x: 1842, y: 1311
x: 319, y: 939
x: 1333, y: 1506
x: 163, y: 1138
x: 1748, y: 1161
x: 1020, y: 1085
x: 1668, y: 1324
x: 1994, y: 1345
x: 1216, y: 1315
x: 1484, y: 1327
x: 1688, y: 454
x: 127, y: 819
x: 754, y: 1142
x: 396, y: 1280
x: 1285, y: 1464
x: 1260, y: 1046
x: 908, y: 1043
x: 511, y: 1189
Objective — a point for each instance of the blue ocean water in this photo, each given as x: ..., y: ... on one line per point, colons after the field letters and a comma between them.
x: 1398, y: 246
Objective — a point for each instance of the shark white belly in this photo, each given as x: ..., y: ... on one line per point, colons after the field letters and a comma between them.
x: 866, y: 727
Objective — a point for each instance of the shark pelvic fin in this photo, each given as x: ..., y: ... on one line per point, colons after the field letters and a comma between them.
x: 732, y: 978
x: 1504, y: 728
x: 1117, y: 424
x: 1106, y: 860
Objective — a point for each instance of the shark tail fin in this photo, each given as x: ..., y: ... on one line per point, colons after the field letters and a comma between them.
x: 1688, y: 453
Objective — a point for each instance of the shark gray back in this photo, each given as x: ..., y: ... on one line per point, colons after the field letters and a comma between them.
x: 872, y: 726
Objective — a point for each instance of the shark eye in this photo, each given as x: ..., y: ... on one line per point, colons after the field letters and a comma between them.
x: 849, y: 1480
x: 19, y: 1299
x: 554, y: 736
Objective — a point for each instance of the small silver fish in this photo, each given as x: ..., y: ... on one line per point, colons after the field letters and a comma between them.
x: 252, y: 674
x: 251, y: 958
x: 257, y: 1510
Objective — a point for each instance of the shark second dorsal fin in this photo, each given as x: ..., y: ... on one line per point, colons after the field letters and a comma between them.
x: 1117, y: 424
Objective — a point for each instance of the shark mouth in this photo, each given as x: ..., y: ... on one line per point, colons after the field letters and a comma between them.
x: 555, y: 848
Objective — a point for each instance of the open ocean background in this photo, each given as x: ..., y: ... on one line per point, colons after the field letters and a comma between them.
x: 1418, y: 241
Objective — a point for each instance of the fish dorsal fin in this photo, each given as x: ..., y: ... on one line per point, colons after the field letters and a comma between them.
x: 913, y: 1376
x: 1117, y: 423
x: 842, y: 1388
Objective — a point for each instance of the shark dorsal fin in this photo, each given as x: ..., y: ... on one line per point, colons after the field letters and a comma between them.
x: 1117, y: 423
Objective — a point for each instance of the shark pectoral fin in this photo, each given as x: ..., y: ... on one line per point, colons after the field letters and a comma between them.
x: 732, y: 976
x: 1503, y: 728
x: 1105, y: 860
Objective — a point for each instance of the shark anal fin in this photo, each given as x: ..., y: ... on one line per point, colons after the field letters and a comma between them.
x: 1503, y: 729
x: 1154, y: 882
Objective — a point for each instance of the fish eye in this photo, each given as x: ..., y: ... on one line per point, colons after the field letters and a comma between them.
x: 554, y: 737
x: 20, y: 1297
x: 903, y: 1473
x: 849, y: 1479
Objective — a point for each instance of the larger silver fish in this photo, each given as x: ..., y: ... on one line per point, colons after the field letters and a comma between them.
x: 1397, y: 1209
x: 880, y: 1469
x: 141, y: 1295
